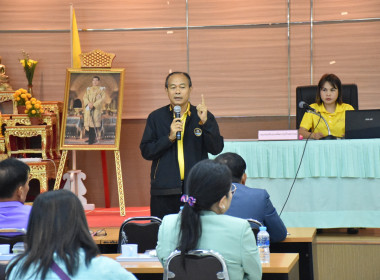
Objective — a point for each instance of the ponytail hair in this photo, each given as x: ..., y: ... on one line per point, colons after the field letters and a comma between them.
x: 208, y: 182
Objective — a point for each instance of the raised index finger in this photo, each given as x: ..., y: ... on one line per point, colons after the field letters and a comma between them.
x: 203, y: 100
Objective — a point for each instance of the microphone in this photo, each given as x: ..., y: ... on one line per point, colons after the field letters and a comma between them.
x: 177, y: 112
x: 304, y: 105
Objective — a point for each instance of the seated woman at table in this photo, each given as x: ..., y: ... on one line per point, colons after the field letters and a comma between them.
x: 59, y: 244
x: 329, y: 104
x: 200, y: 224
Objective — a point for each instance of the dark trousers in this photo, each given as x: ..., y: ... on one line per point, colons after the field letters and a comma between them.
x: 92, y: 135
x: 161, y: 205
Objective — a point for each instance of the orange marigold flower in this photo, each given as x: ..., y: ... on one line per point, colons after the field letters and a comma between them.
x: 33, y: 112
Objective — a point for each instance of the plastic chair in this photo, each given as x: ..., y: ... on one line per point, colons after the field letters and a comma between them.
x: 12, y: 239
x: 308, y: 93
x: 199, y: 265
x: 77, y: 103
x: 133, y: 231
x: 255, y: 225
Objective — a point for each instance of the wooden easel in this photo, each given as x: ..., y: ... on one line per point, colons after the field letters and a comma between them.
x: 75, y: 178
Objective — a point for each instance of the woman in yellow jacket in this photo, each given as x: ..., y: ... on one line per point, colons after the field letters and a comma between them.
x: 330, y: 105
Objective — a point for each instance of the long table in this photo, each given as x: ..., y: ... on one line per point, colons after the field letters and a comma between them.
x: 337, y: 184
x: 281, y: 266
x: 301, y: 241
x: 294, y: 235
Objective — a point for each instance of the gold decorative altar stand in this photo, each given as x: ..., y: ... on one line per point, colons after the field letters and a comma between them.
x: 36, y: 145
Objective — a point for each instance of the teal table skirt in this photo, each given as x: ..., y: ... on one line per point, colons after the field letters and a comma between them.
x: 338, y: 183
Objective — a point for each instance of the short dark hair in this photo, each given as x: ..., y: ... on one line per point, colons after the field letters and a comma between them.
x: 235, y: 163
x: 57, y: 221
x: 207, y: 182
x: 334, y: 81
x: 180, y: 73
x: 13, y: 174
x: 96, y: 77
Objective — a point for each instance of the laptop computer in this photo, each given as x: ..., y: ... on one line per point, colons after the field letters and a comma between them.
x: 362, y: 124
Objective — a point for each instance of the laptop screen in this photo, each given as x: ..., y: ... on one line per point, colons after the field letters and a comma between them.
x: 362, y: 124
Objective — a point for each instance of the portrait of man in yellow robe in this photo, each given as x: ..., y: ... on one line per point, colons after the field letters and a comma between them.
x: 93, y: 105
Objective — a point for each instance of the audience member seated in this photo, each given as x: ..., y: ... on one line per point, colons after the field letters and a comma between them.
x: 14, y: 186
x: 200, y: 224
x: 59, y: 244
x: 251, y: 202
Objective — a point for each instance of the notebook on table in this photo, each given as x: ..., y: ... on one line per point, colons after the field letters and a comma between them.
x: 362, y: 124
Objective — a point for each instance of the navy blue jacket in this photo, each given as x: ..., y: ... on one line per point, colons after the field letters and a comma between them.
x: 198, y: 141
x: 255, y: 204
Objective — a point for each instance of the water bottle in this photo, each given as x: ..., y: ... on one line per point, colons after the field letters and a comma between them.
x: 263, y: 245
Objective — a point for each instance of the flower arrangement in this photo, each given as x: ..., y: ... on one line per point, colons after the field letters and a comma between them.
x: 29, y: 67
x: 33, y: 108
x: 21, y: 96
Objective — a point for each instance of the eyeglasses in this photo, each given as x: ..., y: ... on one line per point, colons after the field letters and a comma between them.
x: 233, y: 189
x: 100, y: 232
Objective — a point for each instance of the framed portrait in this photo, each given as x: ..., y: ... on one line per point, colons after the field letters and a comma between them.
x: 92, y: 109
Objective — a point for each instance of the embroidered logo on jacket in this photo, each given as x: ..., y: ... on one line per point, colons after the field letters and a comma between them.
x: 197, y: 131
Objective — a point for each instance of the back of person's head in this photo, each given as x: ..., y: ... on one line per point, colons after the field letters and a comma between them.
x: 177, y: 73
x: 13, y: 174
x: 335, y: 83
x: 235, y: 163
x: 207, y: 183
x: 57, y: 224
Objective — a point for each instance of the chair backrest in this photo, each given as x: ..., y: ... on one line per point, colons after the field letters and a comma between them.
x: 12, y: 239
x: 308, y: 93
x: 2, y: 271
x: 199, y: 265
x: 77, y: 103
x: 142, y: 231
x: 255, y: 225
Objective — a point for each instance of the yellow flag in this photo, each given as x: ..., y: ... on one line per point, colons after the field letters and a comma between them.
x: 76, y: 43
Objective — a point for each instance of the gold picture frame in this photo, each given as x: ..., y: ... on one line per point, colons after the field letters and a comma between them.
x: 92, y: 108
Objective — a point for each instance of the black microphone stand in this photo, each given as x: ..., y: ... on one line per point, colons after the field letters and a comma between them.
x: 329, y: 136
